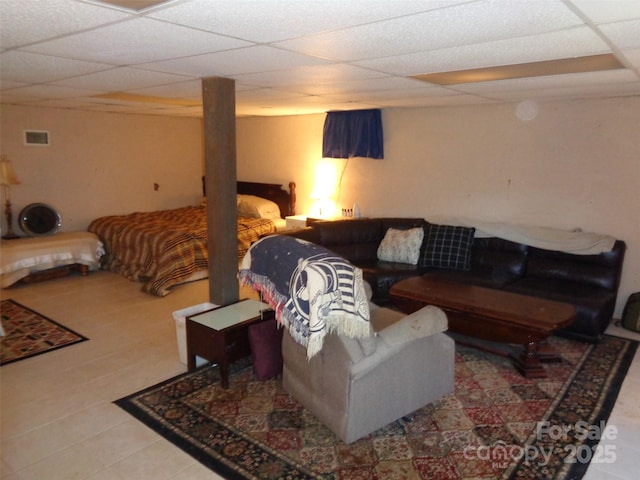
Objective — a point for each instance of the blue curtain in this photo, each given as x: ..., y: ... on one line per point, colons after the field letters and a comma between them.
x: 355, y: 133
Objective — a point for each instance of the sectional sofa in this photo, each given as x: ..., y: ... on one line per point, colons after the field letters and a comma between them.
x: 587, y: 278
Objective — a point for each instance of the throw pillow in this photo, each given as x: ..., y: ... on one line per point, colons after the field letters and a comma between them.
x: 447, y: 246
x: 257, y: 207
x: 401, y: 246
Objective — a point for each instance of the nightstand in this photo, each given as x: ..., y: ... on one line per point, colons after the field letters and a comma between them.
x: 312, y: 220
x: 296, y: 221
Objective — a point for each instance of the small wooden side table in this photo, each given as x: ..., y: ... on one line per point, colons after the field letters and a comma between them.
x: 220, y: 334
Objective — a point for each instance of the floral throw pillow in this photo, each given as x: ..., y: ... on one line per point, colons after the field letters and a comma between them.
x: 402, y: 246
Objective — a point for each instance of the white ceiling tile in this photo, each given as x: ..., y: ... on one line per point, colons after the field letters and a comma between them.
x: 5, y: 84
x: 386, y: 83
x: 35, y: 68
x: 274, y: 20
x: 623, y: 34
x: 52, y: 91
x: 64, y: 103
x: 465, y: 24
x: 607, y: 11
x: 13, y: 97
x: 262, y: 95
x: 191, y: 89
x: 387, y: 96
x: 129, y: 103
x: 447, y: 100
x: 119, y: 79
x: 23, y: 22
x: 176, y: 111
x: 234, y: 62
x: 305, y: 75
x: 140, y: 40
x: 576, y: 42
x: 115, y: 108
x: 605, y: 79
x: 58, y: 52
x: 632, y: 56
x: 586, y: 91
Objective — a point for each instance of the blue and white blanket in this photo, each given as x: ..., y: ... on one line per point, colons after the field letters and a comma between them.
x: 311, y: 289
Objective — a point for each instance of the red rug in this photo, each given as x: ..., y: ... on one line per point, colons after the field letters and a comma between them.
x: 496, y: 424
x: 28, y: 333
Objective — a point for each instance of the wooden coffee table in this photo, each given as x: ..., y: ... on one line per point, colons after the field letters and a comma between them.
x: 491, y: 316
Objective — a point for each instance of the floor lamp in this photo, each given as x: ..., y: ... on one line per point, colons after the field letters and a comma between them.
x: 8, y: 178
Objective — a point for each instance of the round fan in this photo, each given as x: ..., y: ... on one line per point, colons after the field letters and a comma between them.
x: 39, y: 219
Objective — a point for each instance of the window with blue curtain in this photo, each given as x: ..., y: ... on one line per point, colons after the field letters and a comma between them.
x: 354, y: 133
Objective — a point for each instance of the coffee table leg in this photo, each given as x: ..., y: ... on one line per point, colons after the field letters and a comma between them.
x: 547, y: 354
x: 224, y: 373
x: 528, y: 363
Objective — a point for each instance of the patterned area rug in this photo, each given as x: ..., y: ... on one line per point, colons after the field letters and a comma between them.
x: 28, y: 333
x: 496, y: 424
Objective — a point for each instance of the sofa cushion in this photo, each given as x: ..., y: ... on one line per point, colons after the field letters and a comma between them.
x: 447, y: 246
x: 594, y: 305
x: 401, y: 245
x: 498, y: 260
x: 382, y: 275
x: 597, y: 270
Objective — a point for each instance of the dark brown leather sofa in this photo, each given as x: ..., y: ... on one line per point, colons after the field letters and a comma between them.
x: 589, y: 282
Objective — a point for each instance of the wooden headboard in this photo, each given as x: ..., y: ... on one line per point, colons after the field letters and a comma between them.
x: 286, y: 200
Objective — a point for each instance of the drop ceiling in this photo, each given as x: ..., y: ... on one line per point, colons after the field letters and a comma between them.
x: 291, y: 57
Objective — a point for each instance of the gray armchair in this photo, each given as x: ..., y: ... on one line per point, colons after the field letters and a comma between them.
x: 355, y: 386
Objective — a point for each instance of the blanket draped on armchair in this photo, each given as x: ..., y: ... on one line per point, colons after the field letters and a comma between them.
x: 312, y: 290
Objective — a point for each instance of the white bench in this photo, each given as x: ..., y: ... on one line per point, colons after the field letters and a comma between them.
x: 47, y: 257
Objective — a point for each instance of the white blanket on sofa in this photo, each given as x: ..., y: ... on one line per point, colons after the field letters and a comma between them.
x: 570, y: 241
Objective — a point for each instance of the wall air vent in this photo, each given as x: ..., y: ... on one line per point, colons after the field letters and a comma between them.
x: 38, y: 138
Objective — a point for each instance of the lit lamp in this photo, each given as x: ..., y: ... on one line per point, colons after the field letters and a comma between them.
x: 8, y: 178
x: 324, y: 189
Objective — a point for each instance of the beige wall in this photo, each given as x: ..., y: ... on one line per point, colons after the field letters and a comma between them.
x: 576, y: 165
x: 102, y: 163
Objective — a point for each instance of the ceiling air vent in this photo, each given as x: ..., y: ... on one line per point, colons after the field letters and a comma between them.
x: 38, y: 138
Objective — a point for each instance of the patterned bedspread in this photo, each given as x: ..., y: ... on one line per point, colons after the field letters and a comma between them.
x: 167, y: 247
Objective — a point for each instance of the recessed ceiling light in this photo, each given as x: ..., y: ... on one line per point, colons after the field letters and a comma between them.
x: 136, y: 5
x: 562, y: 66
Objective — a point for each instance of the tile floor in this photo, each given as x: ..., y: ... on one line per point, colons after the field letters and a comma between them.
x: 57, y: 416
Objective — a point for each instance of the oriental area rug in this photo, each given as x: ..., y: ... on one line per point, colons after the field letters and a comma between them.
x: 496, y: 424
x: 27, y: 333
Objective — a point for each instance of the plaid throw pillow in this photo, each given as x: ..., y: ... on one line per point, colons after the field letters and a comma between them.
x: 446, y: 246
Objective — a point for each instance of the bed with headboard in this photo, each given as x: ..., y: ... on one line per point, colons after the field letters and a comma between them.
x: 169, y: 247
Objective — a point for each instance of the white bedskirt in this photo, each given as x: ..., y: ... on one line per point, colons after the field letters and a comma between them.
x: 21, y: 257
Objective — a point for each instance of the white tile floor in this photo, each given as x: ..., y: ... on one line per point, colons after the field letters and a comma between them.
x: 57, y: 416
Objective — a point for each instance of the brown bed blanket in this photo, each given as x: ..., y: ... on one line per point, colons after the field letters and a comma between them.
x: 167, y: 247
